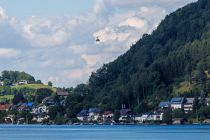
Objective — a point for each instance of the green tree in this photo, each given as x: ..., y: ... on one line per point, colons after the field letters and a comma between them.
x: 50, y: 84
x: 178, y: 113
x: 167, y: 117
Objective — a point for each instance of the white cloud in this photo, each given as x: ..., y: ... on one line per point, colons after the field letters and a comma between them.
x: 41, y: 32
x: 8, y: 52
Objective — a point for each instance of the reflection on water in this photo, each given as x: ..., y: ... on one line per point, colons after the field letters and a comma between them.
x: 36, y: 132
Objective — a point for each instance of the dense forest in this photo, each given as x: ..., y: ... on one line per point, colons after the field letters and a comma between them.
x: 174, y: 60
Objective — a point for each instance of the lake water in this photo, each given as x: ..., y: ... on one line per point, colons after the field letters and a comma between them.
x: 127, y: 132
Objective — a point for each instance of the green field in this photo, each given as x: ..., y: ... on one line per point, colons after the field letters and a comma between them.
x: 34, y: 86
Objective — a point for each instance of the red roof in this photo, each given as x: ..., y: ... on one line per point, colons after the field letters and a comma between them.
x: 4, y: 107
x: 107, y: 113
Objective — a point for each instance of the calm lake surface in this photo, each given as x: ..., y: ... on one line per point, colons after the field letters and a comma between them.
x: 129, y: 132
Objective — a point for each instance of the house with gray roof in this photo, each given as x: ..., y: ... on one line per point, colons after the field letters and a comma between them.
x: 177, y: 103
x: 188, y: 105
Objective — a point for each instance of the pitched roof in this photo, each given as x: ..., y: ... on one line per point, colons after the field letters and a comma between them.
x: 125, y: 111
x: 189, y: 100
x: 164, y: 104
x: 177, y: 100
x: 108, y: 112
x: 82, y: 113
x: 62, y: 93
x: 94, y: 110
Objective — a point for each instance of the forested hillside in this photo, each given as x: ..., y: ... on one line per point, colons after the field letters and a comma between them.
x: 172, y: 61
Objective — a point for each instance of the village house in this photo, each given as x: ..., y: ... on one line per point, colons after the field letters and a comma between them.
x: 25, y: 106
x: 188, y: 105
x: 164, y: 106
x: 1, y: 83
x: 41, y: 109
x: 108, y: 116
x: 48, y: 101
x: 94, y: 114
x: 22, y: 82
x: 149, y: 116
x: 125, y: 115
x: 5, y: 107
x: 62, y: 93
x: 177, y: 103
x: 9, y: 119
x: 40, y: 118
x: 83, y: 115
x: 207, y: 101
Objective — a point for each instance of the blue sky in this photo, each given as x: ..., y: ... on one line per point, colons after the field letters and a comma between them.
x: 27, y: 8
x: 54, y: 40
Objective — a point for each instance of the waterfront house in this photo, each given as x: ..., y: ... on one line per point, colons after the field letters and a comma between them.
x: 94, y: 114
x: 177, y: 103
x: 188, y: 105
x: 40, y: 118
x: 142, y: 118
x: 150, y: 116
x: 83, y: 115
x: 125, y: 114
x: 108, y: 116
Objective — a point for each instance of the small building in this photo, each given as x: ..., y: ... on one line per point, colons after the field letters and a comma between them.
x: 41, y: 109
x: 149, y: 116
x: 142, y: 118
x: 94, y: 114
x: 40, y: 118
x: 62, y: 94
x: 125, y: 114
x: 164, y: 106
x: 207, y: 101
x: 177, y: 103
x: 1, y: 83
x: 5, y: 107
x: 83, y: 115
x: 188, y: 105
x: 23, y: 82
x: 108, y: 116
x: 48, y: 101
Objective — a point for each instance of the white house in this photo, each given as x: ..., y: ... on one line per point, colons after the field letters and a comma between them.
x: 207, y: 101
x: 177, y: 103
x: 150, y: 116
x: 93, y: 114
x: 40, y: 118
x: 1, y: 83
x: 125, y: 114
x: 22, y: 82
x: 40, y: 109
x: 188, y: 105
x: 108, y: 116
x: 83, y: 115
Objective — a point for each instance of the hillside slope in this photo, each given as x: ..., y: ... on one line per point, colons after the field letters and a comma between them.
x: 177, y: 52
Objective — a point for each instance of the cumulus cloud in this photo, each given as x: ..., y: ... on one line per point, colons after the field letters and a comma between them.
x: 8, y: 52
x: 41, y: 32
x: 63, y: 49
